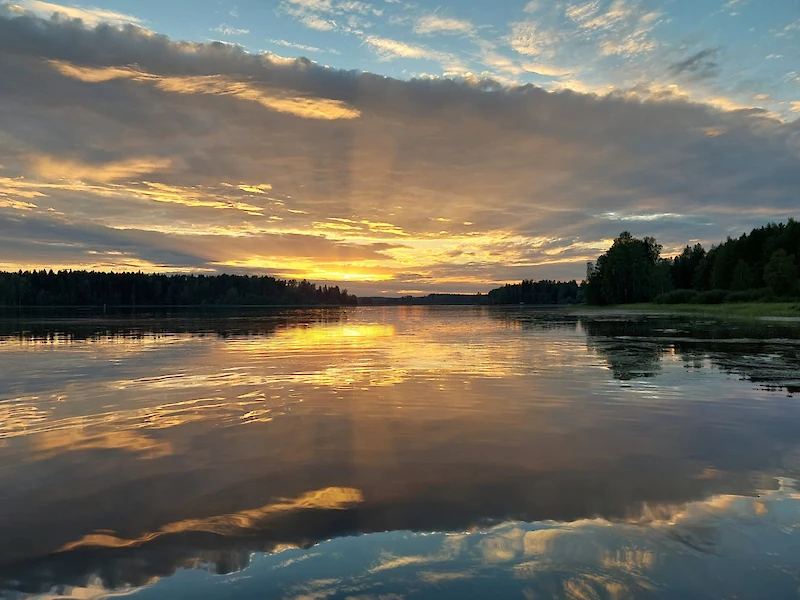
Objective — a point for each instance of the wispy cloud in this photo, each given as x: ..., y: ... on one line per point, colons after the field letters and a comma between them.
x: 90, y: 16
x: 315, y: 22
x: 430, y: 24
x: 622, y: 27
x: 527, y: 38
x: 388, y: 49
x: 303, y: 47
x: 546, y: 70
x: 700, y: 64
x: 278, y: 100
x: 322, y: 15
x: 228, y: 30
x: 49, y: 167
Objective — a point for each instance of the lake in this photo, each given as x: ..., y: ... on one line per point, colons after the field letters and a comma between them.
x: 399, y: 453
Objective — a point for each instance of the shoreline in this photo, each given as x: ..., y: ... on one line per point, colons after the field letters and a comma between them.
x: 743, y: 310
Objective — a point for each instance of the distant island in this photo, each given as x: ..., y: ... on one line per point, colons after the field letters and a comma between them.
x: 761, y: 266
x: 527, y: 292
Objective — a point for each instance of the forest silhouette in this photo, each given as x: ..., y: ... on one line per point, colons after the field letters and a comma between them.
x: 759, y: 266
x: 91, y: 288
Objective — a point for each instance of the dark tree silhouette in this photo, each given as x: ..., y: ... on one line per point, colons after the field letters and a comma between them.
x: 90, y: 288
x: 537, y: 292
x: 761, y: 265
x: 780, y: 273
x: 630, y: 271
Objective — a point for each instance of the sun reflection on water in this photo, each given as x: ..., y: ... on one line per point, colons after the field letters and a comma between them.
x: 408, y: 419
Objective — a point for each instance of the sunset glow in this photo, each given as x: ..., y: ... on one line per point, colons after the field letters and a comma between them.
x: 469, y: 148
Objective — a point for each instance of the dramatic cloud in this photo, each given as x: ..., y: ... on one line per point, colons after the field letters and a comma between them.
x: 121, y: 147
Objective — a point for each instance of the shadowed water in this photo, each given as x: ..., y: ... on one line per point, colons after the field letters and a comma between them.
x: 400, y: 453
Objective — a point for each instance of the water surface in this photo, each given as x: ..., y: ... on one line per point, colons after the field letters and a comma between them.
x: 405, y: 452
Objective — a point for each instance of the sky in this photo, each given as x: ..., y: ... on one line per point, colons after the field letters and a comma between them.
x: 388, y: 146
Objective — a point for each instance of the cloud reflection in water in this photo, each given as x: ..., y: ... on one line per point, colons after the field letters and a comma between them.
x: 129, y: 457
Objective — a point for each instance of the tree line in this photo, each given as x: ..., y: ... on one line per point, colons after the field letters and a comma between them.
x: 760, y: 266
x: 91, y: 288
x: 429, y: 300
x: 537, y: 292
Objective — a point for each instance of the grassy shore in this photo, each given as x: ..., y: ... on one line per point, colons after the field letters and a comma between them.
x: 749, y: 310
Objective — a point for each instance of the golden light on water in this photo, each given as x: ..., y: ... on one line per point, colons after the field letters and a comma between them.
x: 331, y: 335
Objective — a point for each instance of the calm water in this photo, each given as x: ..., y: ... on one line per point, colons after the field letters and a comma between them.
x: 400, y: 453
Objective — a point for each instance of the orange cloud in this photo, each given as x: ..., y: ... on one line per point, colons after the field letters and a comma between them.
x: 283, y: 101
x: 51, y: 168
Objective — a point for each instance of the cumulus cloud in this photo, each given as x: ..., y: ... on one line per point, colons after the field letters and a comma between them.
x: 423, y: 184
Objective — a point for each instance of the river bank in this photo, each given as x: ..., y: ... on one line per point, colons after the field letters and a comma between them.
x: 750, y: 310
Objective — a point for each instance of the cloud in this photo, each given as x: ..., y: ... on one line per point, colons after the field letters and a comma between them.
x: 48, y: 167
x: 279, y: 101
x: 623, y: 28
x: 173, y: 151
x: 304, y: 107
x: 90, y: 16
x: 583, y: 13
x: 387, y: 48
x: 322, y: 14
x: 228, y: 30
x: 702, y: 64
x: 303, y: 47
x: 546, y: 70
x: 15, y: 204
x: 526, y: 38
x: 314, y: 22
x: 430, y: 24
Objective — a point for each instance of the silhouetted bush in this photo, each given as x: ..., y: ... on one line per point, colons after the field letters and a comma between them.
x: 747, y: 295
x: 677, y: 297
x: 711, y: 297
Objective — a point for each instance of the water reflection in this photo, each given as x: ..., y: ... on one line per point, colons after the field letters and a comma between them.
x: 133, y: 449
x: 762, y: 352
